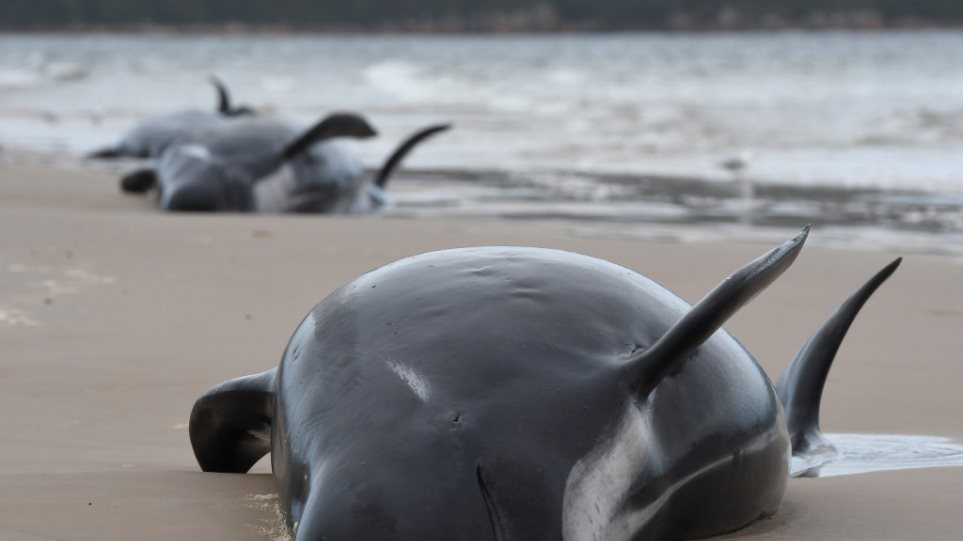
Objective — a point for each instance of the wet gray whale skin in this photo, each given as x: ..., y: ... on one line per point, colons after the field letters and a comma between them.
x: 219, y: 169
x: 149, y: 138
x: 503, y: 393
x: 255, y: 146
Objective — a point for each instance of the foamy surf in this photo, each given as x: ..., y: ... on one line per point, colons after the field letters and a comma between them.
x: 868, y: 453
x: 273, y: 527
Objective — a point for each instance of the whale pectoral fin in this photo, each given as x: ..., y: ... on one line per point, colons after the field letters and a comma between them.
x: 801, y: 386
x: 139, y: 180
x: 230, y: 425
x: 644, y: 370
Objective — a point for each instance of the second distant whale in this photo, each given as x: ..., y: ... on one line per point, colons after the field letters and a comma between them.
x: 149, y: 138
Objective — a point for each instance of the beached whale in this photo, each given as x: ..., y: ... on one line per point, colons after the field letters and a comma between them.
x: 149, y: 138
x: 276, y: 169
x: 501, y: 393
x: 221, y: 174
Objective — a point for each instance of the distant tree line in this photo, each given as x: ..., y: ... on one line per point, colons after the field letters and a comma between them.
x: 476, y: 15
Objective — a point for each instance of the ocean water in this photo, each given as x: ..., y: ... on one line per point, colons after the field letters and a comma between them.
x: 866, y: 453
x: 858, y: 131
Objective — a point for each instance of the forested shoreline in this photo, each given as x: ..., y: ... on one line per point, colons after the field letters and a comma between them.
x: 474, y: 15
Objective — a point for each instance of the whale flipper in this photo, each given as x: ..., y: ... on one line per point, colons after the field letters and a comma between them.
x: 403, y: 149
x: 230, y: 425
x: 139, y: 180
x: 647, y: 368
x: 334, y: 125
x: 801, y: 387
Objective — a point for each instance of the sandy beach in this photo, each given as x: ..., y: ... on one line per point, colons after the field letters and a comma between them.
x: 114, y: 318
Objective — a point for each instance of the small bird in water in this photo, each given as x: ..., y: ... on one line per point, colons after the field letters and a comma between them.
x: 737, y: 166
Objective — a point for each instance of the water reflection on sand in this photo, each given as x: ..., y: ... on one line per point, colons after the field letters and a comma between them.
x: 866, y: 453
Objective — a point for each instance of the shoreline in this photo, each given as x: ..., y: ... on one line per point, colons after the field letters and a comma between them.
x: 680, y: 209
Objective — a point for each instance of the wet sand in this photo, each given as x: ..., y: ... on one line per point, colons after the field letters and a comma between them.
x: 114, y: 318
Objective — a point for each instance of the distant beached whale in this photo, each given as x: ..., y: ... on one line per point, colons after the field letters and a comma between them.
x: 149, y: 138
x: 501, y: 393
x: 277, y: 170
x: 220, y: 175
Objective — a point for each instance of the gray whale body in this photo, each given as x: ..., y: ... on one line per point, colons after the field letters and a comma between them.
x: 152, y: 136
x: 221, y: 173
x: 502, y: 393
x: 264, y: 165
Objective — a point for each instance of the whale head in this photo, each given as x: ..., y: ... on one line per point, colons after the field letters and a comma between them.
x: 192, y: 179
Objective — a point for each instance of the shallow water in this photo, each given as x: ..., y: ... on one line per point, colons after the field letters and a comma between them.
x: 689, y: 210
x: 858, y: 131
x: 274, y: 526
x: 866, y: 453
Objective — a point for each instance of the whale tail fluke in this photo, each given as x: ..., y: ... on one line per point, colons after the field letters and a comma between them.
x: 801, y: 386
x: 334, y: 125
x: 645, y: 369
x: 230, y: 425
x: 403, y: 149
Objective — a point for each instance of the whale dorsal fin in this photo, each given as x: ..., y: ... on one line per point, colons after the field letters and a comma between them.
x: 334, y: 125
x: 801, y: 386
x: 403, y: 149
x: 224, y: 106
x: 647, y: 368
x: 230, y: 425
x: 223, y: 97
